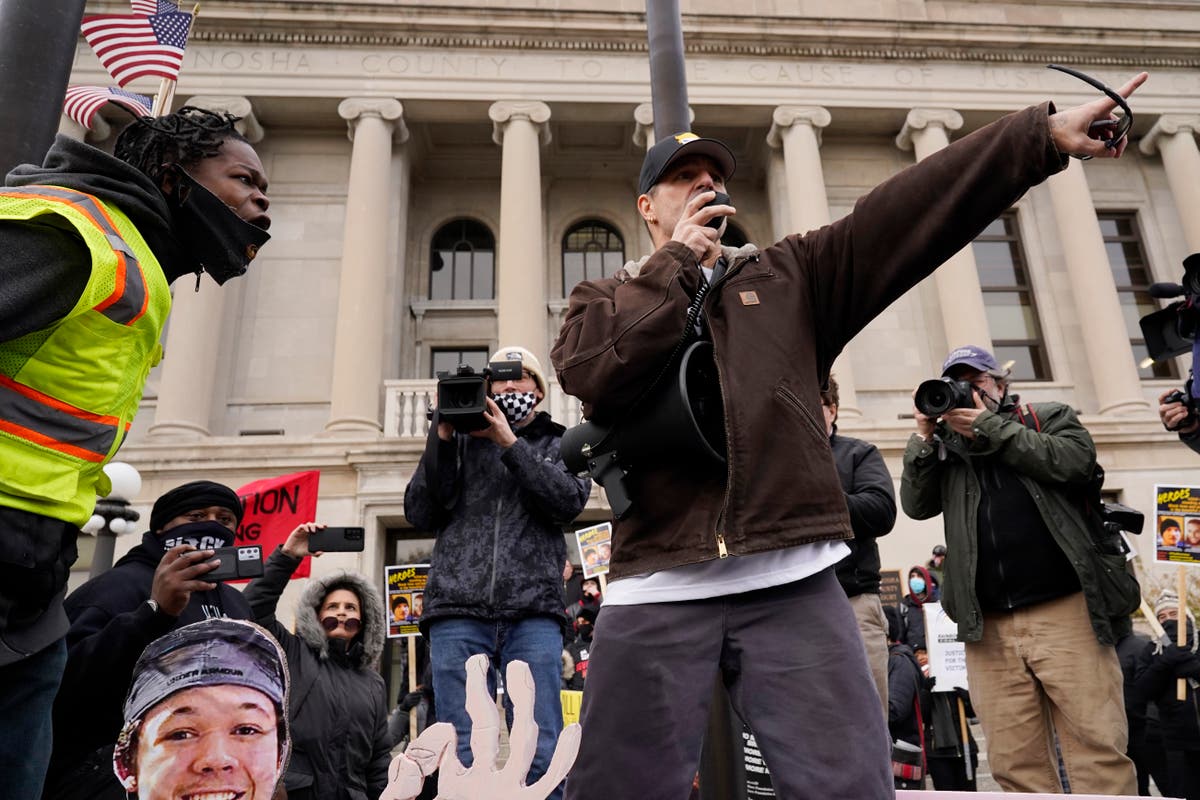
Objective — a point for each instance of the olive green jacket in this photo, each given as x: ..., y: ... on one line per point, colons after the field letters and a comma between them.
x: 1054, y: 465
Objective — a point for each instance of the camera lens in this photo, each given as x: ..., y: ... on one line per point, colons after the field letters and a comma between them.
x: 934, y: 397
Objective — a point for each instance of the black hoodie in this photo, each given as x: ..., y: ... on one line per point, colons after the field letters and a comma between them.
x: 46, y: 267
x: 111, y: 624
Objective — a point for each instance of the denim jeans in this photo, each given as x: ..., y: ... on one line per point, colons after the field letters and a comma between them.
x: 537, y: 641
x: 26, y: 736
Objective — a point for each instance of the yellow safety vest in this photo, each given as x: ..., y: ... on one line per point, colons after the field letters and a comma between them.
x: 69, y: 391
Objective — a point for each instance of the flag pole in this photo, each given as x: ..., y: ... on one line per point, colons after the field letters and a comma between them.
x: 166, y: 88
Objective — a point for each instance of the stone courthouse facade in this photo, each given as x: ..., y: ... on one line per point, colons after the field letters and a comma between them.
x: 443, y: 173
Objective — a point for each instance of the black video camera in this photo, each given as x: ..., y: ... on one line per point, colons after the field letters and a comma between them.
x: 462, y: 395
x: 1172, y: 331
x: 937, y: 396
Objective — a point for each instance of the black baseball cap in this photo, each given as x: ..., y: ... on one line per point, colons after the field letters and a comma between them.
x: 666, y: 152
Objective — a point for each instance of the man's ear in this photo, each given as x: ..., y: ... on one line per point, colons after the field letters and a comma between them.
x: 645, y: 205
x: 168, y: 179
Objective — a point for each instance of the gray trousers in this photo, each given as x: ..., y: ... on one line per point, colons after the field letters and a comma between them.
x: 793, y: 662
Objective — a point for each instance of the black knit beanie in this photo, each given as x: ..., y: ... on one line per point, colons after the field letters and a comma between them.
x: 190, y: 496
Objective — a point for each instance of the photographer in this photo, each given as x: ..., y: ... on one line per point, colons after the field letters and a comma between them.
x: 1038, y: 593
x: 1177, y: 417
x: 727, y: 571
x: 157, y: 587
x: 497, y: 504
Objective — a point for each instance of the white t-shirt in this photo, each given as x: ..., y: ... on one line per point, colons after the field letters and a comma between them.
x: 726, y: 576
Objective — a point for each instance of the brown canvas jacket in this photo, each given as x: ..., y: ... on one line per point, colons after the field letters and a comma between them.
x: 778, y: 319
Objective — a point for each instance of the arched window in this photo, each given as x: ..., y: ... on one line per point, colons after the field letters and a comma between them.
x: 590, y: 250
x: 734, y: 236
x: 462, y: 262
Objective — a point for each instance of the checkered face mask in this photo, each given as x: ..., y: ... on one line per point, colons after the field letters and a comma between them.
x: 516, y: 405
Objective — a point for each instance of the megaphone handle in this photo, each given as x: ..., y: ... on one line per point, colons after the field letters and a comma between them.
x: 608, y: 473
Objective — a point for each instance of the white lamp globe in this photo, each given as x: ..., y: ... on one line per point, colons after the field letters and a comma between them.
x: 126, y: 481
x: 94, y: 525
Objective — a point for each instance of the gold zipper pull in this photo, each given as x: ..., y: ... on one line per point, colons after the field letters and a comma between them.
x: 722, y: 552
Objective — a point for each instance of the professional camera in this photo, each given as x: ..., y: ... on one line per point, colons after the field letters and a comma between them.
x: 1172, y: 331
x: 462, y: 395
x: 937, y: 396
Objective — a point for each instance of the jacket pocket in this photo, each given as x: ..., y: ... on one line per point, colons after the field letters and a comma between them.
x: 808, y: 420
x: 1117, y: 584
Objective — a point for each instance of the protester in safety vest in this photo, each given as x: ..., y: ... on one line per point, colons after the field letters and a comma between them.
x: 91, y: 244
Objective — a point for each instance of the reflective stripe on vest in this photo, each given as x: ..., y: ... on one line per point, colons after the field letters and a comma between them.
x: 54, y: 424
x: 127, y: 303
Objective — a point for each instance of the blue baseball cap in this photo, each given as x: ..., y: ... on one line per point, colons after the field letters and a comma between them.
x: 971, y: 356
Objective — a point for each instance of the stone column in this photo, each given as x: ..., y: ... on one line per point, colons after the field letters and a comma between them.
x: 373, y: 123
x: 796, y: 132
x: 643, y: 129
x: 189, y: 369
x: 964, y: 316
x: 1174, y: 136
x: 1102, y: 323
x: 520, y: 128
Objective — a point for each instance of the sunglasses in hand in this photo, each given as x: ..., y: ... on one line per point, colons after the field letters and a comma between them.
x: 1119, y: 126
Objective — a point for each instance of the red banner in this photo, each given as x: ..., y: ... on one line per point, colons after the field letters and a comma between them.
x: 273, y: 509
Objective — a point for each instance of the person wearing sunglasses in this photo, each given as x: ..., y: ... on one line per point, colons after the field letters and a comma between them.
x: 338, y: 706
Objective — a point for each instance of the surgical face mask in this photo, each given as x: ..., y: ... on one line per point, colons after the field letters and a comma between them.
x: 221, y: 242
x: 916, y: 585
x: 205, y: 535
x: 516, y: 405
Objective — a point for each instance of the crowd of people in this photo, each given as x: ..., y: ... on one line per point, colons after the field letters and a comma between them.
x: 755, y: 571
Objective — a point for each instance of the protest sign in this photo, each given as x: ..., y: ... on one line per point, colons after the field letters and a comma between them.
x: 405, y: 598
x: 273, y: 509
x: 572, y: 701
x: 1177, y: 525
x: 947, y: 655
x: 595, y: 549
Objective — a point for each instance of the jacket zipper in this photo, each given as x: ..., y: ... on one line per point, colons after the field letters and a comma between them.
x: 495, y: 552
x: 722, y: 550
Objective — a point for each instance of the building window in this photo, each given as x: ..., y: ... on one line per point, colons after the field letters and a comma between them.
x: 448, y: 359
x: 1008, y: 298
x: 591, y: 250
x: 462, y: 262
x: 734, y: 236
x: 1131, y: 274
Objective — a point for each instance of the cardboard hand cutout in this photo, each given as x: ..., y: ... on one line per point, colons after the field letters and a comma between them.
x: 437, y: 746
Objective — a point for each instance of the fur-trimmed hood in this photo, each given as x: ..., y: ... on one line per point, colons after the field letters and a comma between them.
x: 368, y: 646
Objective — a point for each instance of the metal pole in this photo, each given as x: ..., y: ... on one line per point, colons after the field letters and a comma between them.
x: 37, y: 50
x: 668, y: 78
x: 102, y: 556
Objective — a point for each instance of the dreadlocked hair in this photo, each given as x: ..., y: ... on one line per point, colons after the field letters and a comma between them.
x: 186, y: 137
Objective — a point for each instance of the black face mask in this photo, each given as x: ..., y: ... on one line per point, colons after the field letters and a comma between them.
x: 205, y: 535
x: 222, y: 243
x: 584, y: 629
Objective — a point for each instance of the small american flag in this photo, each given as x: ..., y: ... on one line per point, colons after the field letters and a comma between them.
x: 83, y: 102
x: 149, y: 7
x: 131, y: 46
